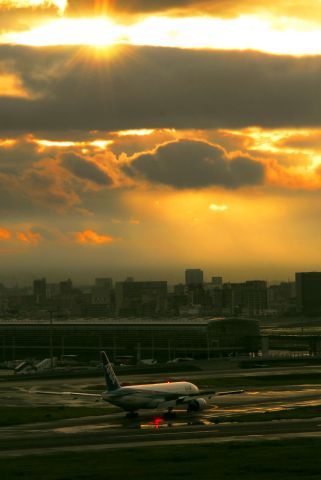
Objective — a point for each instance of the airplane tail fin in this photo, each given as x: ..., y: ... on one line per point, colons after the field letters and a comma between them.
x: 110, y: 376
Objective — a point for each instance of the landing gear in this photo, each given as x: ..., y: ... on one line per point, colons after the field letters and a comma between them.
x: 193, y: 407
x: 169, y: 414
x: 132, y: 415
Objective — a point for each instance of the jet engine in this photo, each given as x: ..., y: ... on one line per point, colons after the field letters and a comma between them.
x: 197, y: 405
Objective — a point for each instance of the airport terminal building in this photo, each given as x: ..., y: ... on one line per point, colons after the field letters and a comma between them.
x: 139, y: 338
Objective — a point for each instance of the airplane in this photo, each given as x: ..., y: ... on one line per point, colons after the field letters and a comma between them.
x: 166, y: 395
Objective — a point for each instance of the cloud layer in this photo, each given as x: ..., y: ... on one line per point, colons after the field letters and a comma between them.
x: 190, y: 164
x: 229, y: 162
x: 82, y: 168
x: 16, y: 16
x: 309, y: 9
x: 145, y: 87
x: 17, y: 12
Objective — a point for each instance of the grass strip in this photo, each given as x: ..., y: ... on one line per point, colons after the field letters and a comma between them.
x: 21, y: 415
x: 242, y: 381
x: 280, y: 460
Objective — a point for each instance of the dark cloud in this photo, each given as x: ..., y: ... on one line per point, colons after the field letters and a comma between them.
x: 82, y: 168
x: 38, y: 68
x: 31, y: 182
x: 98, y: 7
x: 34, y: 181
x: 18, y: 157
x: 12, y: 198
x: 192, y: 164
x: 146, y: 87
x: 39, y: 181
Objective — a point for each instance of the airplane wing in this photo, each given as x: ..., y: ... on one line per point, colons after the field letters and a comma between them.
x: 232, y: 392
x: 201, y: 393
x: 75, y: 394
x: 212, y: 393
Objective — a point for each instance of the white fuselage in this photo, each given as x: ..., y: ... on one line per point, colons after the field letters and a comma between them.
x: 134, y: 397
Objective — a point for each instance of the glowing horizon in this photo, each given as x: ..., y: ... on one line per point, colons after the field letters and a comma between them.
x: 243, y: 33
x: 92, y: 32
x: 98, y: 143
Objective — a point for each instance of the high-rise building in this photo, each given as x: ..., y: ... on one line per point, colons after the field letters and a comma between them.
x: 248, y: 298
x: 308, y: 292
x: 194, y: 276
x: 281, y: 297
x: 217, y: 281
x: 140, y: 298
x: 40, y: 290
x: 65, y: 287
x: 101, y: 293
x: 254, y: 298
x: 104, y: 282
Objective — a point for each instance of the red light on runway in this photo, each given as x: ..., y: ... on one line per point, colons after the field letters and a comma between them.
x: 157, y: 421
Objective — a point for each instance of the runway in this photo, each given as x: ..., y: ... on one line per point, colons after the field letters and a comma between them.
x: 75, y: 436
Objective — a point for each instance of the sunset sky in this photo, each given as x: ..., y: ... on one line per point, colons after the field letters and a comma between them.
x: 143, y: 137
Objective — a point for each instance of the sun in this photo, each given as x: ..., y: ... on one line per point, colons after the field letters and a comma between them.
x: 81, y: 31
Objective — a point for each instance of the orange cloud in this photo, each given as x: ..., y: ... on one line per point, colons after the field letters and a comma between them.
x: 91, y: 237
x: 4, y: 234
x: 60, y: 4
x: 7, y: 142
x: 29, y: 237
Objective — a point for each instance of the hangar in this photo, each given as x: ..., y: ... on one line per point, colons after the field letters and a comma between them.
x: 162, y: 339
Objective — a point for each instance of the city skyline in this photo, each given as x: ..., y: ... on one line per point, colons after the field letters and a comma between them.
x: 142, y: 138
x: 181, y: 278
x: 157, y: 298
